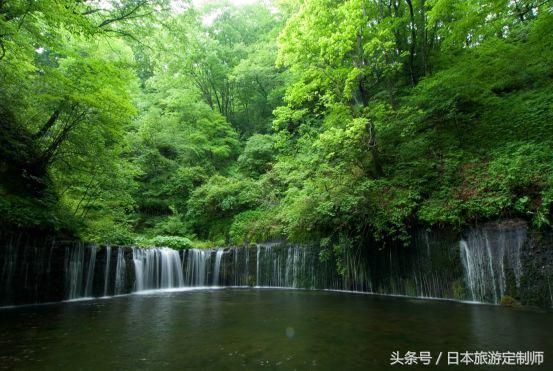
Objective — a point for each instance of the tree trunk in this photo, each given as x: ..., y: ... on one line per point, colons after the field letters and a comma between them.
x: 413, y: 43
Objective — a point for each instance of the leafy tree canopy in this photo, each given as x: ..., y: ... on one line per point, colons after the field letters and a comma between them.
x: 158, y: 122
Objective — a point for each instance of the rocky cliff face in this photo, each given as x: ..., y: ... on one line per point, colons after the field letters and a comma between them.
x: 536, y: 284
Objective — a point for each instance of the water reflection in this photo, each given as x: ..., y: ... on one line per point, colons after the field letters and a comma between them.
x: 256, y: 329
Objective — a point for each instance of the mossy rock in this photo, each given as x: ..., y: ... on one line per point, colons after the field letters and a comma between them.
x: 509, y: 301
x: 459, y: 290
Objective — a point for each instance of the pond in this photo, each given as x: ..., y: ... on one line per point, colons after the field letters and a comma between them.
x: 245, y: 328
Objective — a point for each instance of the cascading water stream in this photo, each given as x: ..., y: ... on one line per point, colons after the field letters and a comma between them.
x: 162, y: 268
x: 257, y: 266
x: 491, y: 258
x: 158, y: 268
x: 196, y: 267
x: 90, y: 275
x: 485, y: 265
x: 217, y: 268
x: 106, y: 274
x: 120, y: 271
x: 74, y: 270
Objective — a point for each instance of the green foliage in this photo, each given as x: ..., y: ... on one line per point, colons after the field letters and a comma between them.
x: 212, y: 205
x: 257, y: 156
x: 337, y: 121
x: 254, y: 225
x: 41, y: 214
x: 110, y: 230
x: 174, y: 242
x: 452, y: 129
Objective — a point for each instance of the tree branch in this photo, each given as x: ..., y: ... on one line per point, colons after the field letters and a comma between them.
x: 47, y: 125
x: 125, y: 15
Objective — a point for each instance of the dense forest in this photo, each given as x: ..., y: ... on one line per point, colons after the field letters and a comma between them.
x: 164, y: 123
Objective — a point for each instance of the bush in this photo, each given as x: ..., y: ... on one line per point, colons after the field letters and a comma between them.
x: 252, y: 226
x: 174, y: 242
x: 257, y: 156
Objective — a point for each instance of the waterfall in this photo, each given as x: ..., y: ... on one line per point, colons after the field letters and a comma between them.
x: 217, y: 268
x: 246, y: 253
x: 491, y: 261
x: 257, y: 266
x: 158, y: 268
x: 90, y: 275
x: 236, y: 279
x: 138, y: 269
x: 76, y: 265
x: 197, y: 267
x: 357, y: 273
x: 106, y: 274
x: 290, y: 266
x: 120, y: 271
x: 486, y: 264
x: 275, y: 266
x: 74, y: 270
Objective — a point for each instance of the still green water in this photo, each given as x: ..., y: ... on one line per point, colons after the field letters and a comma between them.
x: 229, y: 329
